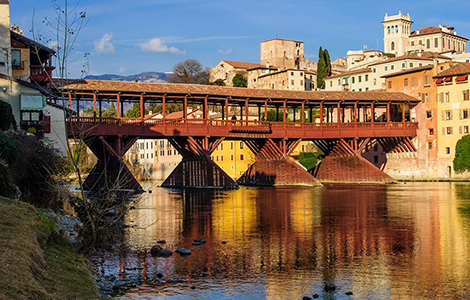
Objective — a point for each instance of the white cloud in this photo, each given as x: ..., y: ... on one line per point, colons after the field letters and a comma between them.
x: 157, y: 45
x: 121, y: 70
x: 104, y: 45
x: 225, y: 52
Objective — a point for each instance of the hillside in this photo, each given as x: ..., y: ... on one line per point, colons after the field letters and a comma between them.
x: 142, y: 77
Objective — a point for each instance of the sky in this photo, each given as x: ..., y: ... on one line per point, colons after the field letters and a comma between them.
x: 129, y: 37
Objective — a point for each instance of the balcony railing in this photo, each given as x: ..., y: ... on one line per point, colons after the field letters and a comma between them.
x: 41, y: 73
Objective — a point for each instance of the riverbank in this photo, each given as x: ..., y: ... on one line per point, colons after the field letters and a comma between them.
x: 37, y: 260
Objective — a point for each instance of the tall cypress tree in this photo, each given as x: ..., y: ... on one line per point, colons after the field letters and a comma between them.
x: 323, y: 67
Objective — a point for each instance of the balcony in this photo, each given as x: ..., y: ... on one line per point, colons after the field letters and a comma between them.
x: 41, y: 73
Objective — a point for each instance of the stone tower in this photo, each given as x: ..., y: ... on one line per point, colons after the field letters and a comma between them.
x: 397, y: 30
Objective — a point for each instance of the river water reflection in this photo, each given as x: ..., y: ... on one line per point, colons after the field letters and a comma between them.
x: 402, y: 241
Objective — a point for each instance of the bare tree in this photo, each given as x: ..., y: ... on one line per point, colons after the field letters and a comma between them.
x: 189, y: 71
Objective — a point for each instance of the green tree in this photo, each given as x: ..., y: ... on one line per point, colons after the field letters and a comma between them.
x: 309, y: 159
x: 7, y: 120
x: 239, y: 81
x: 134, y: 112
x: 462, y: 154
x: 323, y: 67
x: 110, y: 112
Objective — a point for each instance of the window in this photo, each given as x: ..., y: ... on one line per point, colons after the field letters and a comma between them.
x: 359, y: 78
x: 465, y: 129
x: 427, y: 79
x: 376, y: 159
x: 386, y: 68
x: 447, y: 98
x: 376, y: 147
x: 353, y: 79
x: 392, y: 67
x: 405, y: 83
x: 291, y: 73
x: 448, y: 115
x: 428, y: 44
x: 373, y: 70
x: 231, y: 157
x: 436, y: 42
x: 242, y: 145
x: 389, y: 84
x: 429, y: 145
x: 431, y: 131
x: 231, y: 145
x: 465, y: 114
x: 221, y: 158
x: 292, y: 82
x: 16, y: 58
x: 465, y: 95
x: 375, y: 81
x: 403, y: 65
x: 447, y: 150
x: 242, y: 157
x: 414, y: 81
x: 429, y: 114
x: 412, y: 43
x: 168, y: 152
x: 448, y: 130
x: 392, y: 46
x: 411, y: 65
x: 366, y: 78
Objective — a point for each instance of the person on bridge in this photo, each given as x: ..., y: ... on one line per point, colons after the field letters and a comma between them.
x: 234, y: 117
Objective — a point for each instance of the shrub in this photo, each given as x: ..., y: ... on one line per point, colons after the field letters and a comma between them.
x: 462, y: 154
x: 309, y: 159
x: 7, y: 120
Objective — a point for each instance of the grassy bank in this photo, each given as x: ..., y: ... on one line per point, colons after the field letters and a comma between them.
x: 37, y: 261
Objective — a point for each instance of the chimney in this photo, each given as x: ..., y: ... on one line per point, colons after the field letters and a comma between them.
x: 5, y: 38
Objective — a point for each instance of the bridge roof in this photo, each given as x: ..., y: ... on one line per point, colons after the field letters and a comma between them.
x: 196, y: 90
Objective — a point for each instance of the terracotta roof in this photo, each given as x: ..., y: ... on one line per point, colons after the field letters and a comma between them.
x: 364, y: 70
x: 195, y: 90
x: 428, y: 54
x: 458, y: 69
x: 408, y: 71
x: 241, y: 64
x: 433, y: 30
x: 279, y: 39
x: 403, y: 57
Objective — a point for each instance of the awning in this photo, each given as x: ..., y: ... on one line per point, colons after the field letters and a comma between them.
x: 439, y: 80
x: 461, y: 78
x: 448, y: 79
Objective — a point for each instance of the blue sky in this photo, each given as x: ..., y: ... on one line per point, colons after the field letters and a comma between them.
x: 128, y: 37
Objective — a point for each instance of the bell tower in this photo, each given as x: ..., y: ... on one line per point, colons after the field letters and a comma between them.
x: 397, y: 30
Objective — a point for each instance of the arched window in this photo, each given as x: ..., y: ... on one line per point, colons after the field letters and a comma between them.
x: 388, y: 28
x: 396, y: 28
x: 392, y: 46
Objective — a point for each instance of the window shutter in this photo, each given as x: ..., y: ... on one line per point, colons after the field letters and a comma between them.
x: 423, y: 97
x: 451, y: 130
x: 460, y: 114
x: 443, y: 115
x: 442, y: 97
x: 460, y: 129
x: 443, y: 131
x: 451, y: 114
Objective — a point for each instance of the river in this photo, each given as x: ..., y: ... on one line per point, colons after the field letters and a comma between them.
x: 399, y: 241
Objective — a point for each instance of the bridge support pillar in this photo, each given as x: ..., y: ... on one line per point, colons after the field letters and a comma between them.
x: 110, y: 172
x: 344, y: 164
x: 197, y: 170
x: 273, y: 166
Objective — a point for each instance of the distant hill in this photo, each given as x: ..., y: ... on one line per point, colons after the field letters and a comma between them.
x: 142, y: 77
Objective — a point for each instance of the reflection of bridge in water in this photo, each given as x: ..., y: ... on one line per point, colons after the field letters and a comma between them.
x: 341, y: 124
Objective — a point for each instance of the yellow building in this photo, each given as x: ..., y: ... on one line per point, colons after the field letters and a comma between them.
x: 453, y: 113
x: 233, y: 157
